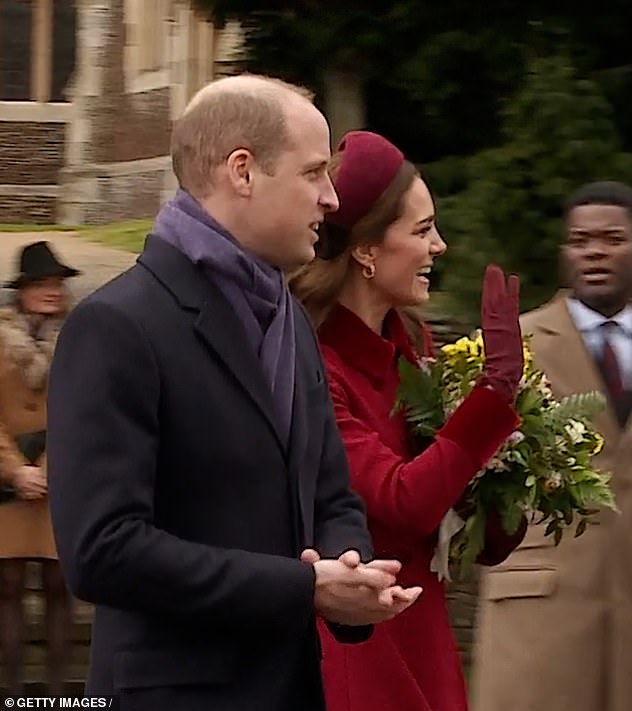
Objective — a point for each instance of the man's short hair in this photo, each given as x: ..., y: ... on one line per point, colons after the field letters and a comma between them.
x: 604, y: 192
x: 244, y: 111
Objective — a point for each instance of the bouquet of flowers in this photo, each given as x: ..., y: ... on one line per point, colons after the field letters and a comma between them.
x: 544, y: 470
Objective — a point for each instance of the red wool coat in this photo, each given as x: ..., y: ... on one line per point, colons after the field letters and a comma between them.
x: 411, y: 663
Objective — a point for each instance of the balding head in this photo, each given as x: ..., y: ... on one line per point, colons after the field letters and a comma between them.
x: 247, y: 112
x: 251, y: 85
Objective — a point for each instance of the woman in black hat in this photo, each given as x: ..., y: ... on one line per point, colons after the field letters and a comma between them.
x: 28, y: 333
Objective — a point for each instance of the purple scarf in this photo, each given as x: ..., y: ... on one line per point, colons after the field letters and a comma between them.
x: 257, y: 292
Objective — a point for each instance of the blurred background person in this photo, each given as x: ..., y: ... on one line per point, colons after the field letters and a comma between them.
x: 28, y: 332
x: 555, y: 627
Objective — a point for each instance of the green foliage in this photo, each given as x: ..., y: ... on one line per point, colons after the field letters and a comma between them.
x: 580, y: 406
x: 507, y: 114
x: 300, y: 40
x: 434, y: 89
x: 544, y: 470
x: 423, y: 403
x: 128, y: 235
x: 510, y: 210
x: 29, y: 227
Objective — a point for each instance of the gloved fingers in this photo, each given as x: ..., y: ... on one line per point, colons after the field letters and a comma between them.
x: 513, y: 287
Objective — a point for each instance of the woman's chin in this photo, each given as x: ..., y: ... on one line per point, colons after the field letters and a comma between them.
x: 49, y: 310
x: 411, y: 301
x: 419, y: 297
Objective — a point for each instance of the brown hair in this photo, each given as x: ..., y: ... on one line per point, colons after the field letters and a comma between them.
x: 244, y: 111
x: 319, y: 284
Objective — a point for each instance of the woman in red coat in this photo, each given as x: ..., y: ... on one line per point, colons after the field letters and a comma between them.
x: 375, y: 254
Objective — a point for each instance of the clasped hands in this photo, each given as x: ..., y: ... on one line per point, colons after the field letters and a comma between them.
x: 350, y: 592
x: 29, y: 482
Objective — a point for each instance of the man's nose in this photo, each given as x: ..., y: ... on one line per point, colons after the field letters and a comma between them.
x: 329, y: 198
x: 595, y: 248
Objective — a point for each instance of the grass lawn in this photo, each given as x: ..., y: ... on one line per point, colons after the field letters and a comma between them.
x: 4, y: 227
x: 128, y: 235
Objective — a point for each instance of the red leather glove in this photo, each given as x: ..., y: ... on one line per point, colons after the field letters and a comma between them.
x: 499, y: 545
x: 500, y: 310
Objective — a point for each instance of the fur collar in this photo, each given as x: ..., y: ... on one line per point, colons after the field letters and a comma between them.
x: 29, y: 344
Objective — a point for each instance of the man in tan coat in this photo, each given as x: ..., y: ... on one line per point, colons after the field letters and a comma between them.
x: 555, y: 624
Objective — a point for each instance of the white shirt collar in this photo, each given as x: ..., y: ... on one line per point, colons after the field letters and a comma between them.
x: 586, y: 319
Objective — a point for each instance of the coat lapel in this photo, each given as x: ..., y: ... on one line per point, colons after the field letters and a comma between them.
x: 302, y: 488
x: 216, y: 323
x: 299, y: 426
x: 218, y: 326
x: 299, y: 429
x: 562, y: 354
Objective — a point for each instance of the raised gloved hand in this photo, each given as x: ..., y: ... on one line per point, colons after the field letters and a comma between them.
x: 500, y: 310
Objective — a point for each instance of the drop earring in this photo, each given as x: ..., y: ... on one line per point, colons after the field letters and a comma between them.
x: 368, y: 271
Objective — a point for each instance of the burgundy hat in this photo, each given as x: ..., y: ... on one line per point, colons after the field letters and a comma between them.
x: 369, y: 165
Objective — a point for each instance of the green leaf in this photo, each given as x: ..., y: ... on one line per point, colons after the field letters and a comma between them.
x: 519, y: 458
x: 530, y: 400
x: 418, y: 392
x: 552, y: 526
x: 511, y: 518
x: 567, y: 511
x: 581, y: 527
x: 594, y: 493
x: 580, y: 406
x: 419, y: 397
x: 558, y: 536
x: 472, y: 542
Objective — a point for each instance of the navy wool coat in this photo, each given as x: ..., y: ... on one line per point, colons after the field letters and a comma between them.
x: 176, y: 508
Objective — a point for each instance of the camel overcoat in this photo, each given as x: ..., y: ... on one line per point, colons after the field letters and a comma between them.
x: 25, y: 527
x: 555, y: 623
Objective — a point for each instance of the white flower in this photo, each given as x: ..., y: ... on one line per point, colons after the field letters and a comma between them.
x: 553, y: 482
x: 451, y: 407
x: 515, y: 438
x: 496, y: 464
x: 424, y: 363
x: 576, y: 431
x: 544, y: 387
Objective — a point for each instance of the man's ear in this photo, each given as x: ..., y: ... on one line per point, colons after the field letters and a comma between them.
x: 239, y: 166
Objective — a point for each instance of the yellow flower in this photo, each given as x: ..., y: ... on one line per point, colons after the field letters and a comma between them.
x: 456, y: 352
x: 462, y: 345
x: 450, y: 349
x: 474, y: 350
x: 598, y: 443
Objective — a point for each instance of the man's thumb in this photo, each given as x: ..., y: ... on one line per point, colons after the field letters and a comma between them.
x: 350, y: 558
x: 309, y: 555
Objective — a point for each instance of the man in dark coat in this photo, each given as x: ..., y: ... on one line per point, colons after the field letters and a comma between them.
x: 198, y: 485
